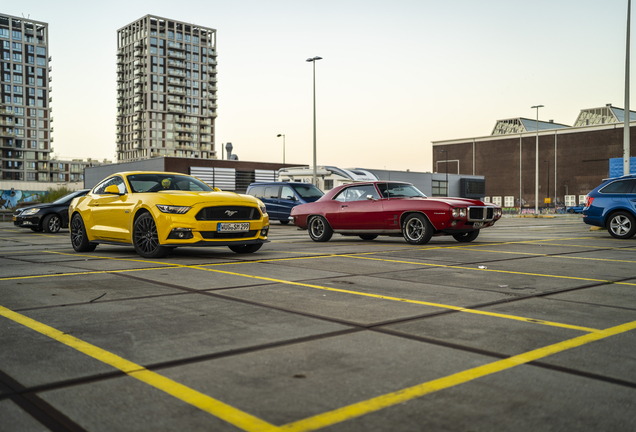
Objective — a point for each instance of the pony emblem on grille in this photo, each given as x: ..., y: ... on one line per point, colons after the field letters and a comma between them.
x: 230, y: 212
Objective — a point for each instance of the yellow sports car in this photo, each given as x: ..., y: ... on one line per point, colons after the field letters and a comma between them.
x: 158, y: 211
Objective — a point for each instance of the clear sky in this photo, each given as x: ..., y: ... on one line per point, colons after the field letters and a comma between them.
x: 395, y: 74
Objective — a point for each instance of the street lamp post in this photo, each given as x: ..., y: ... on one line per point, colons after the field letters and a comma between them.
x: 282, y: 135
x: 313, y: 61
x: 536, y: 165
x: 446, y: 154
x: 548, y: 162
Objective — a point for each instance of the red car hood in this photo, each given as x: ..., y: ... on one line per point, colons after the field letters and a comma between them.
x: 455, y: 202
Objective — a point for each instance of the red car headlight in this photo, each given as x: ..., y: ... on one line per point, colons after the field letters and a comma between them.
x: 459, y: 212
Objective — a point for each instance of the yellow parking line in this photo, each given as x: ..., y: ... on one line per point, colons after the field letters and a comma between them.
x: 190, y: 396
x: 404, y: 300
x: 375, y: 404
x: 493, y: 270
x: 250, y: 423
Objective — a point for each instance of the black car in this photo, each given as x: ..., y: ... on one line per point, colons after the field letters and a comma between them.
x: 48, y: 217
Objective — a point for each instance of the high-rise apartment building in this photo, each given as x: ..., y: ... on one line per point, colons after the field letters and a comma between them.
x: 25, y: 111
x: 166, y: 90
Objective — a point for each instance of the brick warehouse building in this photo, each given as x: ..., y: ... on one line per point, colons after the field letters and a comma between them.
x: 572, y: 159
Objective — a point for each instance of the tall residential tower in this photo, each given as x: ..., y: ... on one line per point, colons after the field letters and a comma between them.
x: 25, y: 112
x: 166, y: 90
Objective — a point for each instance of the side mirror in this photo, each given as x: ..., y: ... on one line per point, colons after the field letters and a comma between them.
x: 112, y: 189
x: 216, y: 189
x: 370, y: 197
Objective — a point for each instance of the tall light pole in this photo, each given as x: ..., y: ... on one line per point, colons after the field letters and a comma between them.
x: 536, y: 165
x: 446, y: 154
x: 548, y: 162
x: 282, y: 135
x: 626, y: 141
x: 313, y: 60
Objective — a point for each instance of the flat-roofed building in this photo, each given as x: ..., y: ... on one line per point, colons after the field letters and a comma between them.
x: 166, y: 90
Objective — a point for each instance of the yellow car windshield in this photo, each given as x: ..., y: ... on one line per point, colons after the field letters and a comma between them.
x: 165, y: 182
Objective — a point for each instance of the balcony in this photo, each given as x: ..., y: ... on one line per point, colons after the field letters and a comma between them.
x: 120, y: 53
x: 213, y: 88
x: 138, y: 100
x: 206, y: 122
x: 172, y: 108
x: 176, y: 81
x: 177, y: 64
x: 206, y: 131
x: 176, y: 45
x: 7, y: 134
x: 206, y: 139
x: 7, y: 122
x: 176, y: 72
x: 139, y: 73
x: 185, y: 129
x: 4, y: 111
x: 185, y: 137
x: 176, y: 54
x: 212, y: 79
x: 176, y: 100
x: 186, y: 119
x: 173, y: 90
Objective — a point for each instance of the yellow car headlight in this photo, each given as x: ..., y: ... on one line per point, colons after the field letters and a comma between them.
x: 173, y: 209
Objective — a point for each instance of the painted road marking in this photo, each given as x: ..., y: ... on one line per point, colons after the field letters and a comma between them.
x: 250, y: 423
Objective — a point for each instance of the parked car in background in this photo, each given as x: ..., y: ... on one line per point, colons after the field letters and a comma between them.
x: 575, y: 209
x: 281, y: 197
x: 378, y: 208
x: 158, y: 211
x: 47, y: 217
x: 612, y: 205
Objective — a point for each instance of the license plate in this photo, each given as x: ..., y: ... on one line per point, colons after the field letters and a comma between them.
x: 478, y: 224
x: 233, y: 227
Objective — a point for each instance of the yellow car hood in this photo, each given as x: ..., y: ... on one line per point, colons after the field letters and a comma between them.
x: 188, y: 198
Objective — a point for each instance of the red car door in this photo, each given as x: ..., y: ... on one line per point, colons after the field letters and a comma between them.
x: 360, y: 208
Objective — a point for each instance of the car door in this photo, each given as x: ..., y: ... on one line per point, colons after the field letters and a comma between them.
x: 360, y: 209
x: 110, y: 213
x: 271, y: 201
x: 288, y: 200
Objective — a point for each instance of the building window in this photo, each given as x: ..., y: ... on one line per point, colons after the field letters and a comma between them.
x: 496, y: 200
x: 440, y: 188
x: 509, y: 201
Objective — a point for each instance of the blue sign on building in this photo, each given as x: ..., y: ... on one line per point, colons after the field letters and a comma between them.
x: 616, y: 167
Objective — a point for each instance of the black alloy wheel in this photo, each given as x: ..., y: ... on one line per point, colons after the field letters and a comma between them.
x: 248, y: 248
x: 79, y: 239
x: 52, y: 223
x: 417, y: 229
x: 146, y: 238
x: 466, y: 237
x: 319, y: 229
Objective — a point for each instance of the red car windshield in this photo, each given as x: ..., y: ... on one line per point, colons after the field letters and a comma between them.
x: 399, y: 190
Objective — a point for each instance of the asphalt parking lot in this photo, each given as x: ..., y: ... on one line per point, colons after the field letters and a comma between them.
x: 532, y: 327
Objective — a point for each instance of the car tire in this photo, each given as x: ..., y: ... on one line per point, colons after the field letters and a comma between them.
x: 244, y: 249
x: 284, y: 222
x: 571, y: 211
x: 622, y: 225
x: 79, y: 239
x: 146, y: 238
x: 416, y: 229
x: 466, y: 237
x: 52, y: 223
x: 368, y: 237
x: 319, y: 229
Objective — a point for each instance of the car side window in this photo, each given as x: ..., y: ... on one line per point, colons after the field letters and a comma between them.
x: 618, y: 187
x: 117, y: 181
x: 357, y: 193
x: 271, y: 192
x: 256, y: 191
x: 287, y: 193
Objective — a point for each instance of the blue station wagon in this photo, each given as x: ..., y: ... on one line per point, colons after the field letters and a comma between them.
x: 280, y: 197
x: 612, y: 205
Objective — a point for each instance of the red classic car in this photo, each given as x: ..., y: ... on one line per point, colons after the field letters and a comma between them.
x: 389, y: 208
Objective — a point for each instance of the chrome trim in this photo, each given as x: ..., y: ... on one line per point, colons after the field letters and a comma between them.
x: 484, y: 214
x: 368, y: 231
